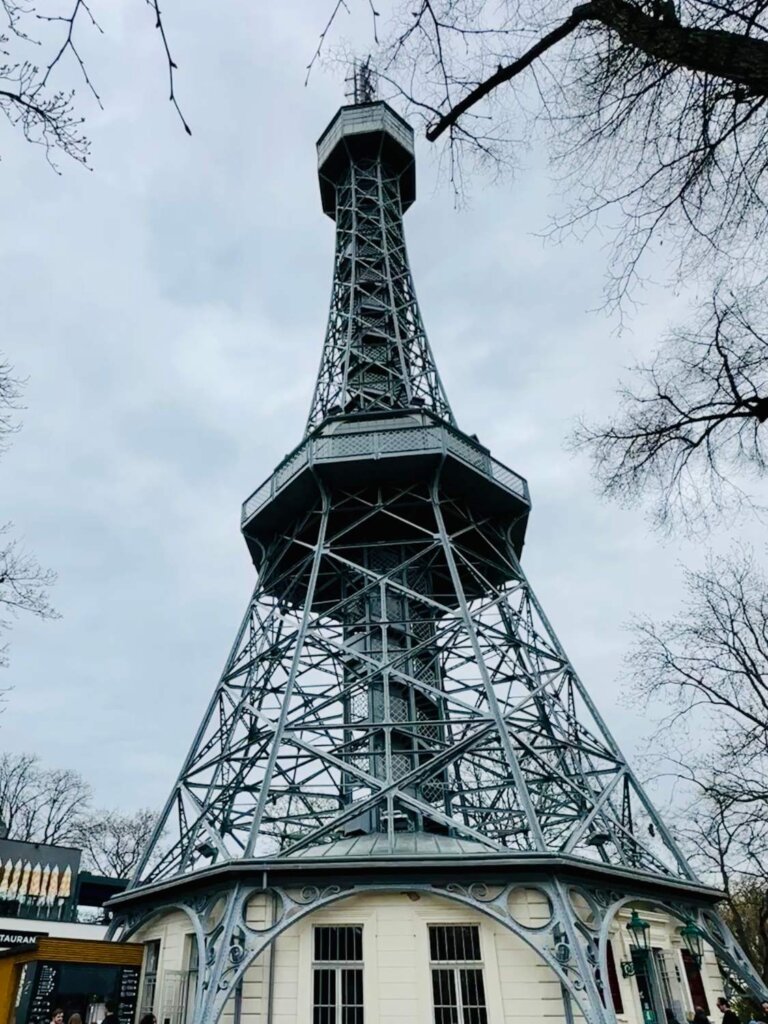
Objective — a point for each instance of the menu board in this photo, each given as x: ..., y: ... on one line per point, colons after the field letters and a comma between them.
x: 24, y: 991
x: 76, y: 988
x: 128, y: 994
x: 43, y: 994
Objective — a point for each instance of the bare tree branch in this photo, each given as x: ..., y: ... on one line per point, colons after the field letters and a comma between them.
x: 41, y: 805
x: 24, y: 585
x: 655, y: 109
x: 708, y: 667
x: 737, y: 58
x: 112, y: 842
x: 694, y: 419
x: 46, y: 116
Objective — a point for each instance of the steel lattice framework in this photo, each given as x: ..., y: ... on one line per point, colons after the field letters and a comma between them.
x: 394, y: 681
x: 376, y: 356
x: 411, y: 684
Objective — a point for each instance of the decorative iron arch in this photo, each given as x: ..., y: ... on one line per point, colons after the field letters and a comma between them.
x: 229, y: 946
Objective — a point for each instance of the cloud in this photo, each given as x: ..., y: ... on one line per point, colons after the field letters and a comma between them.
x: 169, y: 310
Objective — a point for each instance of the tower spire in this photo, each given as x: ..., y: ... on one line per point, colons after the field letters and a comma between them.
x: 376, y: 357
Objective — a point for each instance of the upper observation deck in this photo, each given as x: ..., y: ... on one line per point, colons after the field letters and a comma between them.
x: 365, y: 131
x: 399, y: 447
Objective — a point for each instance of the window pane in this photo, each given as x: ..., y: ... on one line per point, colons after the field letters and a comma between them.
x: 325, y: 987
x: 473, y: 996
x: 446, y: 1015
x: 456, y: 943
x: 352, y: 987
x: 339, y: 944
x: 444, y: 997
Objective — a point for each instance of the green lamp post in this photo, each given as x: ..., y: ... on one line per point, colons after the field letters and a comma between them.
x: 639, y: 933
x: 640, y: 941
x: 692, y: 936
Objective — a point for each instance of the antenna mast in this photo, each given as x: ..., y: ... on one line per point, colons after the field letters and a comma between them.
x: 363, y: 85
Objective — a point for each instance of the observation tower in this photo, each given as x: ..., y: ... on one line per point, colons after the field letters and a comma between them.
x: 401, y: 803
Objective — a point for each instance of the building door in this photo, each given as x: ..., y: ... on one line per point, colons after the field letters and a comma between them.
x: 172, y: 1002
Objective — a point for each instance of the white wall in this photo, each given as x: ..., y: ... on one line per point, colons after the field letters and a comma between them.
x: 520, y: 988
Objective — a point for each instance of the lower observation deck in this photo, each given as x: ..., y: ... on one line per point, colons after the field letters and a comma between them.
x: 410, y: 445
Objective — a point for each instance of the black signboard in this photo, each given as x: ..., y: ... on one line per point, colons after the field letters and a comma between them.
x: 44, y: 994
x: 73, y: 987
x: 16, y: 938
x: 27, y: 979
x: 37, y: 880
x: 129, y: 994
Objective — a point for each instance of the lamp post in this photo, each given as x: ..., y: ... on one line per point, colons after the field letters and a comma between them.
x: 692, y: 936
x: 640, y: 941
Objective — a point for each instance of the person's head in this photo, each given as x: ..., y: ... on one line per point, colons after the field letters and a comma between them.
x: 75, y: 1019
x: 764, y: 1006
x: 148, y: 1018
x: 722, y: 1003
x: 110, y: 1007
x: 58, y: 1016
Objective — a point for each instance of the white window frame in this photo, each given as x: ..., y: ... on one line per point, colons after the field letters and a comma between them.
x: 150, y: 976
x: 455, y: 967
x: 338, y: 967
x: 192, y: 968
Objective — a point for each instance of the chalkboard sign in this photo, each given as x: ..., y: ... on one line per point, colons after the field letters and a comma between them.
x: 44, y: 994
x: 129, y: 994
x: 26, y: 987
x: 45, y: 986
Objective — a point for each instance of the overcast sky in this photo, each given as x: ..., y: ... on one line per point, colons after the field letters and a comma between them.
x: 168, y: 309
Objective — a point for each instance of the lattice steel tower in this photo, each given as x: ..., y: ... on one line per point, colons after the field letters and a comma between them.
x: 396, y: 701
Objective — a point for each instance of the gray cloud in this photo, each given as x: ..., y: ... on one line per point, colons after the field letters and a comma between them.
x: 169, y: 310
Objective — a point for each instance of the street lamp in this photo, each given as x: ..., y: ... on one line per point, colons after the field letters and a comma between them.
x: 692, y: 935
x: 639, y: 933
x: 640, y: 941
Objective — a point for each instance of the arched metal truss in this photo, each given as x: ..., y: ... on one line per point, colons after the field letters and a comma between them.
x: 573, y: 947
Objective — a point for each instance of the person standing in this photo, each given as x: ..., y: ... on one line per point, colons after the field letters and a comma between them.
x: 112, y: 1018
x: 729, y: 1017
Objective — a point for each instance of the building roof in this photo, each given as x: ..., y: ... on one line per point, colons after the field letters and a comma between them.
x: 404, y: 844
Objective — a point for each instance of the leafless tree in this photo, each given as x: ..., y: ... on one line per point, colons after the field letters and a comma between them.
x: 29, y: 97
x: 727, y: 840
x: 39, y: 804
x: 655, y: 114
x: 656, y: 108
x: 113, y: 842
x: 694, y: 421
x: 708, y: 667
x: 10, y: 397
x: 45, y: 805
x: 24, y: 585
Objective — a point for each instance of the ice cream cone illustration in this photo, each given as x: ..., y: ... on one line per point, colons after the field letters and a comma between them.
x: 15, y: 879
x: 53, y: 885
x: 34, y: 881
x: 5, y: 878
x: 65, y: 883
x: 44, y: 882
x: 24, y: 883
